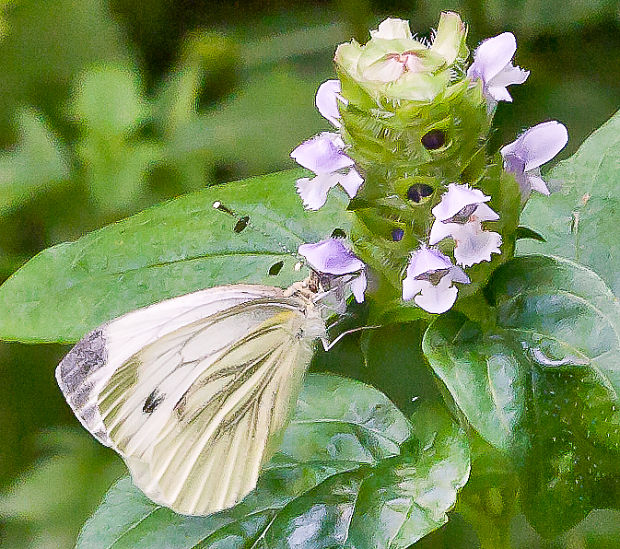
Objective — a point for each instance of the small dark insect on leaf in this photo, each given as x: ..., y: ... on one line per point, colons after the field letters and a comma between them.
x: 276, y: 268
x: 419, y: 191
x: 338, y: 233
x: 219, y: 206
x: 152, y: 401
x: 434, y: 139
x: 241, y: 224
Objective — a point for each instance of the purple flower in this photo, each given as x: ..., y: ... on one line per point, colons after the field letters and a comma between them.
x: 459, y: 215
x: 531, y: 150
x: 331, y: 256
x: 327, y: 98
x: 324, y: 155
x: 429, y: 280
x: 493, y: 65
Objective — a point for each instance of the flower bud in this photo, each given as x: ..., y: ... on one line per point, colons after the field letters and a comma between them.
x: 394, y: 67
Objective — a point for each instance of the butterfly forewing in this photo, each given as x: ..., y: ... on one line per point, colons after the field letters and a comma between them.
x: 194, y: 397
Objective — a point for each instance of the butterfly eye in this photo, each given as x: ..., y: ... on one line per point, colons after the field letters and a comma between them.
x: 434, y: 139
x: 338, y: 233
x: 276, y: 268
x: 241, y: 224
x: 418, y: 191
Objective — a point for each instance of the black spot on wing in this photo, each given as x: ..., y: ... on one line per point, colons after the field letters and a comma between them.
x: 152, y: 401
x: 86, y: 357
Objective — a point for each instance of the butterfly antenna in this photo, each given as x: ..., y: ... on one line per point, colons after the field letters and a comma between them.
x: 328, y: 345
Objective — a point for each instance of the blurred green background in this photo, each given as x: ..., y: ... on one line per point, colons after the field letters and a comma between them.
x: 107, y: 107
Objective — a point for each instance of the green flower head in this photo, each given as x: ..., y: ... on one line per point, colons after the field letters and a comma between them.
x: 393, y: 66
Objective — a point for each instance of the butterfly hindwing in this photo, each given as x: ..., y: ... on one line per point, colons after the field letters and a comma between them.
x: 194, y: 397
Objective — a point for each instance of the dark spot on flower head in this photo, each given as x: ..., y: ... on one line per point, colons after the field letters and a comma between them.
x: 397, y: 235
x: 434, y: 139
x: 276, y: 268
x: 419, y: 191
x: 241, y: 224
x: 338, y: 233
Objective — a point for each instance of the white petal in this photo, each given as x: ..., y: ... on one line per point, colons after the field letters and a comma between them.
x: 331, y: 256
x: 541, y: 143
x: 384, y: 70
x: 358, y: 287
x: 412, y: 287
x: 499, y: 93
x: 391, y: 29
x: 314, y: 191
x: 322, y: 154
x: 474, y: 245
x: 440, y: 230
x: 484, y: 213
x: 327, y: 97
x: 509, y: 75
x: 493, y: 54
x: 437, y: 299
x: 537, y: 183
x: 427, y: 259
x: 456, y: 198
x: 351, y: 182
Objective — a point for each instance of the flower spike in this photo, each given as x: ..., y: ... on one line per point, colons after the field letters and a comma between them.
x: 531, y: 150
x: 493, y: 65
x: 459, y: 215
x: 331, y: 256
x: 429, y: 280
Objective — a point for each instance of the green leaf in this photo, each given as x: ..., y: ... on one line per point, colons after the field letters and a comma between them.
x: 38, y: 162
x: 352, y: 471
x: 544, y: 384
x: 526, y: 232
x: 482, y: 374
x: 580, y: 221
x: 171, y: 249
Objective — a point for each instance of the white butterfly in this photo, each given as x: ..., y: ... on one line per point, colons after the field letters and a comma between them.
x: 195, y: 391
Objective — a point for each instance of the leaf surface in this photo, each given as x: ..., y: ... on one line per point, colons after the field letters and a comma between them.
x: 168, y: 250
x: 580, y: 221
x: 543, y: 384
x: 352, y: 471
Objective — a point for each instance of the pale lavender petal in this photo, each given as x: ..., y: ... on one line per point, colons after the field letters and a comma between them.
x: 474, y: 245
x: 484, y: 213
x: 456, y: 198
x: 437, y: 299
x: 499, y: 93
x: 331, y: 256
x: 439, y: 231
x: 314, y: 191
x: 358, y: 287
x: 351, y: 182
x: 457, y: 274
x: 327, y: 97
x: 322, y: 154
x: 537, y: 183
x: 413, y: 286
x: 509, y: 75
x: 541, y: 143
x: 427, y: 259
x: 492, y: 55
